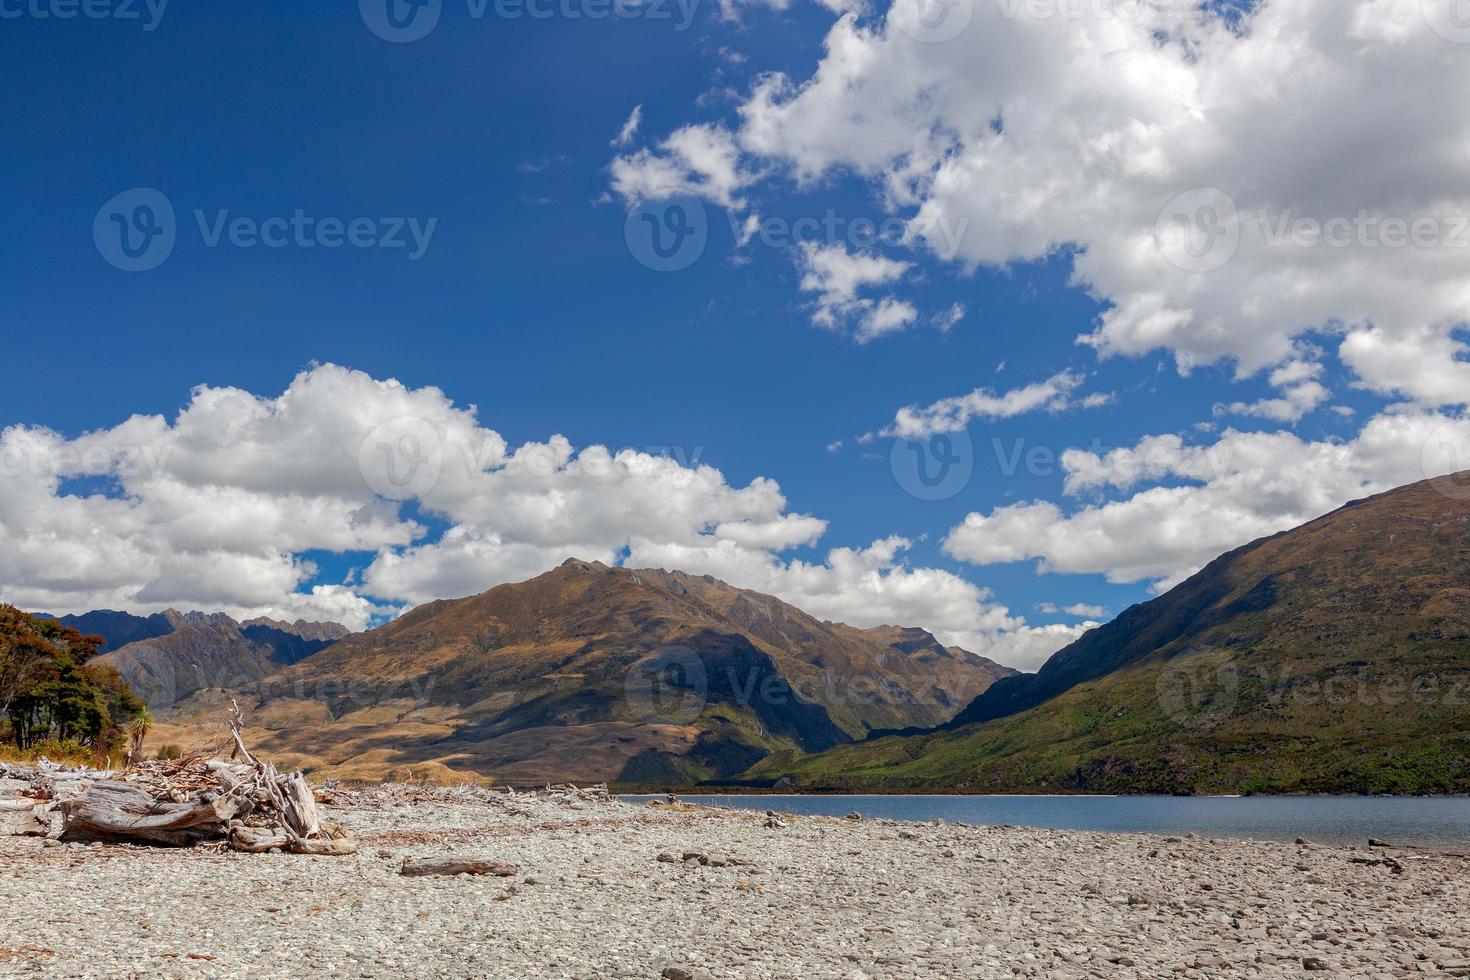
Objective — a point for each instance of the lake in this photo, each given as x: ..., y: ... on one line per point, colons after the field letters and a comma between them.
x: 1441, y: 823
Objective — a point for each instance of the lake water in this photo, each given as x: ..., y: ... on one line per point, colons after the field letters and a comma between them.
x: 1442, y: 823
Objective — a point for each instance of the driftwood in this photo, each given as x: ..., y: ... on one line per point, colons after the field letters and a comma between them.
x: 418, y: 867
x: 242, y: 802
x: 125, y: 813
x: 24, y: 818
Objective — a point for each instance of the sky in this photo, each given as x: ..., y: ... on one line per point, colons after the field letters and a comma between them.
x: 993, y: 317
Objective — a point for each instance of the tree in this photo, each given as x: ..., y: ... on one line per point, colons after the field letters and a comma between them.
x: 138, y: 730
x: 51, y: 689
x: 23, y: 654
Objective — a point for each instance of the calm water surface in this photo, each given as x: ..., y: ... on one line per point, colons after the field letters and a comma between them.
x: 1437, y: 823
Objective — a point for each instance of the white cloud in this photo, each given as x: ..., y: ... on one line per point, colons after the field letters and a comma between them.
x: 701, y: 161
x: 887, y: 316
x: 630, y: 127
x: 837, y: 276
x: 1301, y: 392
x: 1031, y: 646
x: 944, y: 322
x: 217, y: 509
x: 1040, y: 127
x: 1242, y: 487
x: 953, y: 414
x: 1076, y: 609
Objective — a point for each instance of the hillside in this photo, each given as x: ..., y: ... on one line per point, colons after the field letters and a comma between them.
x: 1332, y: 658
x: 204, y: 650
x: 591, y: 672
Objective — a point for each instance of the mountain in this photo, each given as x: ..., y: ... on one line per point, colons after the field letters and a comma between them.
x: 204, y: 650
x: 1331, y: 658
x: 117, y: 628
x: 592, y: 672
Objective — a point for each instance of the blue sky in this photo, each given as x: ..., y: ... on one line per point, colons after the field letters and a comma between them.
x: 527, y: 301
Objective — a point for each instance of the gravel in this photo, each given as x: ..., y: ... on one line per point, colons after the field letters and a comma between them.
x: 609, y: 889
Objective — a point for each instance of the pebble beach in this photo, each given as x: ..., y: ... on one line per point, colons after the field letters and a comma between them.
x: 608, y: 889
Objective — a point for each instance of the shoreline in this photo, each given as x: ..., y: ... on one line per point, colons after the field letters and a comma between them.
x: 613, y: 889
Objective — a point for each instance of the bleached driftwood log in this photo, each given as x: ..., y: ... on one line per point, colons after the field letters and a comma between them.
x: 125, y: 813
x: 418, y: 867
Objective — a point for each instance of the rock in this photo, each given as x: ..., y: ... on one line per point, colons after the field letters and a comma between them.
x: 677, y: 972
x: 1375, y: 842
x: 1314, y: 963
x: 907, y: 835
x: 1303, y: 842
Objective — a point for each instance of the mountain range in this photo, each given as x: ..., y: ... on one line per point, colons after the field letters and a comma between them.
x: 168, y: 656
x: 1331, y: 658
x: 585, y: 672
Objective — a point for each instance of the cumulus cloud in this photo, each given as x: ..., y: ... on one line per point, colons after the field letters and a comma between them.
x: 219, y: 508
x: 838, y: 277
x: 1242, y: 487
x: 700, y: 161
x: 1161, y: 146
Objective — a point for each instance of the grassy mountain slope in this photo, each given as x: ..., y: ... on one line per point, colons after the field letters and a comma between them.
x: 1331, y: 658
